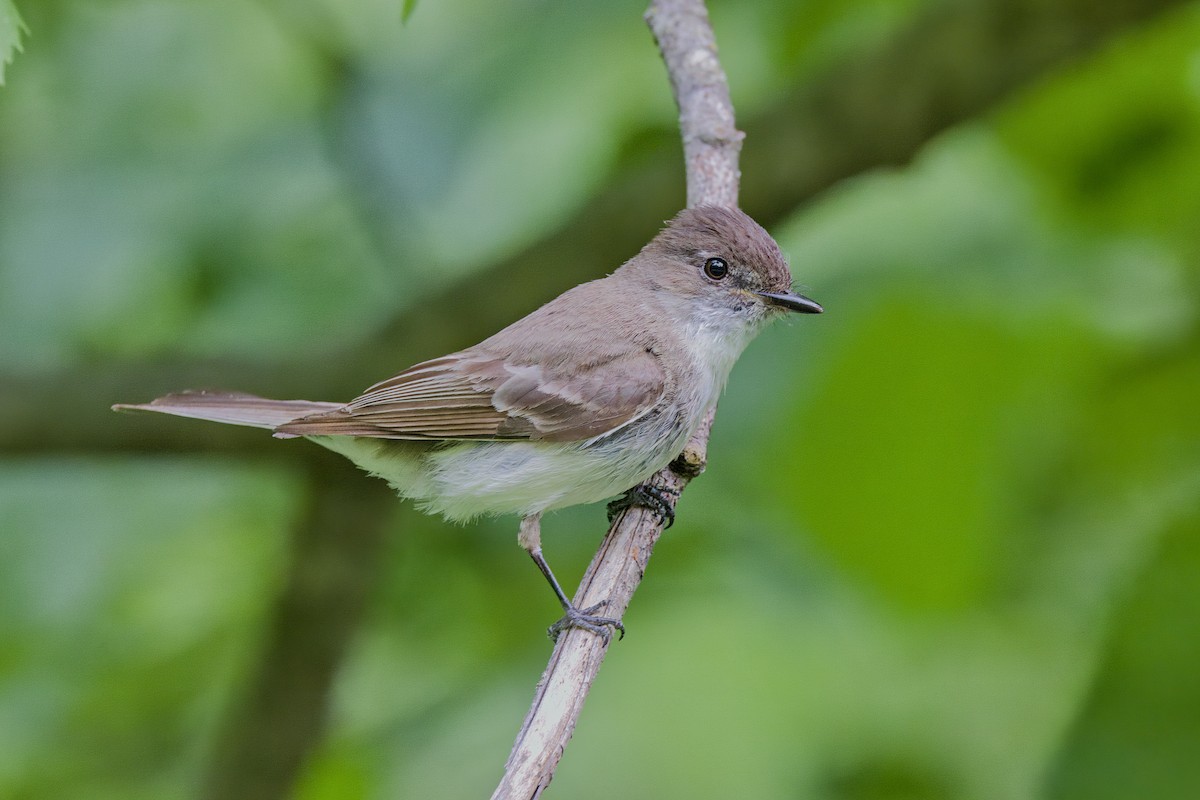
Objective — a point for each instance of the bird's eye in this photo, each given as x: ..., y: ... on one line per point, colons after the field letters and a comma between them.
x: 716, y: 268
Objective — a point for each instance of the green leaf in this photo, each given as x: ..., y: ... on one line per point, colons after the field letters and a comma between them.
x: 1136, y: 734
x: 406, y: 10
x: 1126, y: 159
x: 11, y: 26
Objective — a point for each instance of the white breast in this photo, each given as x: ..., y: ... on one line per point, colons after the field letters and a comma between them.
x: 715, y: 340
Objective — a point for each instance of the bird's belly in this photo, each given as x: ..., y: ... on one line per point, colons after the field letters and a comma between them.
x: 530, y: 477
x: 468, y: 479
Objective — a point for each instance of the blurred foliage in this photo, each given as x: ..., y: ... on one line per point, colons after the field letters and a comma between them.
x: 11, y: 27
x: 948, y: 542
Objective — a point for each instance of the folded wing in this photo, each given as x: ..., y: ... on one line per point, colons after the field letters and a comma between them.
x: 472, y: 395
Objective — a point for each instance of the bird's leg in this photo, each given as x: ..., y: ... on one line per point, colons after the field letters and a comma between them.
x: 530, y: 537
x: 647, y: 496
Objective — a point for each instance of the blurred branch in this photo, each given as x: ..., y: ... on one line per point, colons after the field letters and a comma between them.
x: 953, y: 62
x: 876, y: 109
x: 335, y: 556
x: 711, y: 144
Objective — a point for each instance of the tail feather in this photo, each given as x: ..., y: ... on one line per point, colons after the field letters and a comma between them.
x: 233, y: 408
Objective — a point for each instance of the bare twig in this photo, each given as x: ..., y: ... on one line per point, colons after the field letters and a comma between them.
x: 711, y: 145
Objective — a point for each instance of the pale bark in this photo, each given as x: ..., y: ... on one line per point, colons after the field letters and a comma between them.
x: 711, y: 144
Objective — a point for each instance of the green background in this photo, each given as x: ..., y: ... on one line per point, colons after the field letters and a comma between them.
x: 948, y: 544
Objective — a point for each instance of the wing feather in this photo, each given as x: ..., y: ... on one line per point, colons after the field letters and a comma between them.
x: 471, y: 395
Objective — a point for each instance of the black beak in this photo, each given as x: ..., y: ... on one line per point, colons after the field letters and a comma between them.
x: 792, y: 302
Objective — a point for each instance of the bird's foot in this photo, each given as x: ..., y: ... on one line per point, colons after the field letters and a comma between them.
x: 586, y: 619
x: 646, y: 496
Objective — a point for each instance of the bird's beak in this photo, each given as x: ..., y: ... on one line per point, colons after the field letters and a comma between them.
x: 792, y: 302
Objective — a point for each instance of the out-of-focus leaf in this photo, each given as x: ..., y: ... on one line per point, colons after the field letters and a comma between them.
x: 926, y: 432
x: 188, y: 191
x: 132, y: 597
x: 1117, y: 140
x: 975, y: 222
x: 1140, y: 728
x: 11, y: 27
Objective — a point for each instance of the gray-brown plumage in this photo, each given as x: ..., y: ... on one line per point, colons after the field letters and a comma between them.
x: 582, y: 399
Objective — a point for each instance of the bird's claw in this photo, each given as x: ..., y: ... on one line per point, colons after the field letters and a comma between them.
x: 586, y: 619
x: 646, y: 496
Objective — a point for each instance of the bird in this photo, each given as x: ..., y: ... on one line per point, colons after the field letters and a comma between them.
x: 583, y: 399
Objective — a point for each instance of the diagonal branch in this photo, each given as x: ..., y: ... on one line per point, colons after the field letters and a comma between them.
x: 711, y: 146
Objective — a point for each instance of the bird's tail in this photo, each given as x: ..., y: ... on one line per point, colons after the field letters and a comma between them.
x: 232, y: 407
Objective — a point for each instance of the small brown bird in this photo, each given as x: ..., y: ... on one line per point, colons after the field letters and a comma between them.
x: 581, y: 400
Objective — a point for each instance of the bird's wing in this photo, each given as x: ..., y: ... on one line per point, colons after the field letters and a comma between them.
x: 473, y: 395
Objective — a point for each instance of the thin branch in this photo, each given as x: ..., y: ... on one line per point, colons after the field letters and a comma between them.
x: 711, y: 146
x: 711, y: 142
